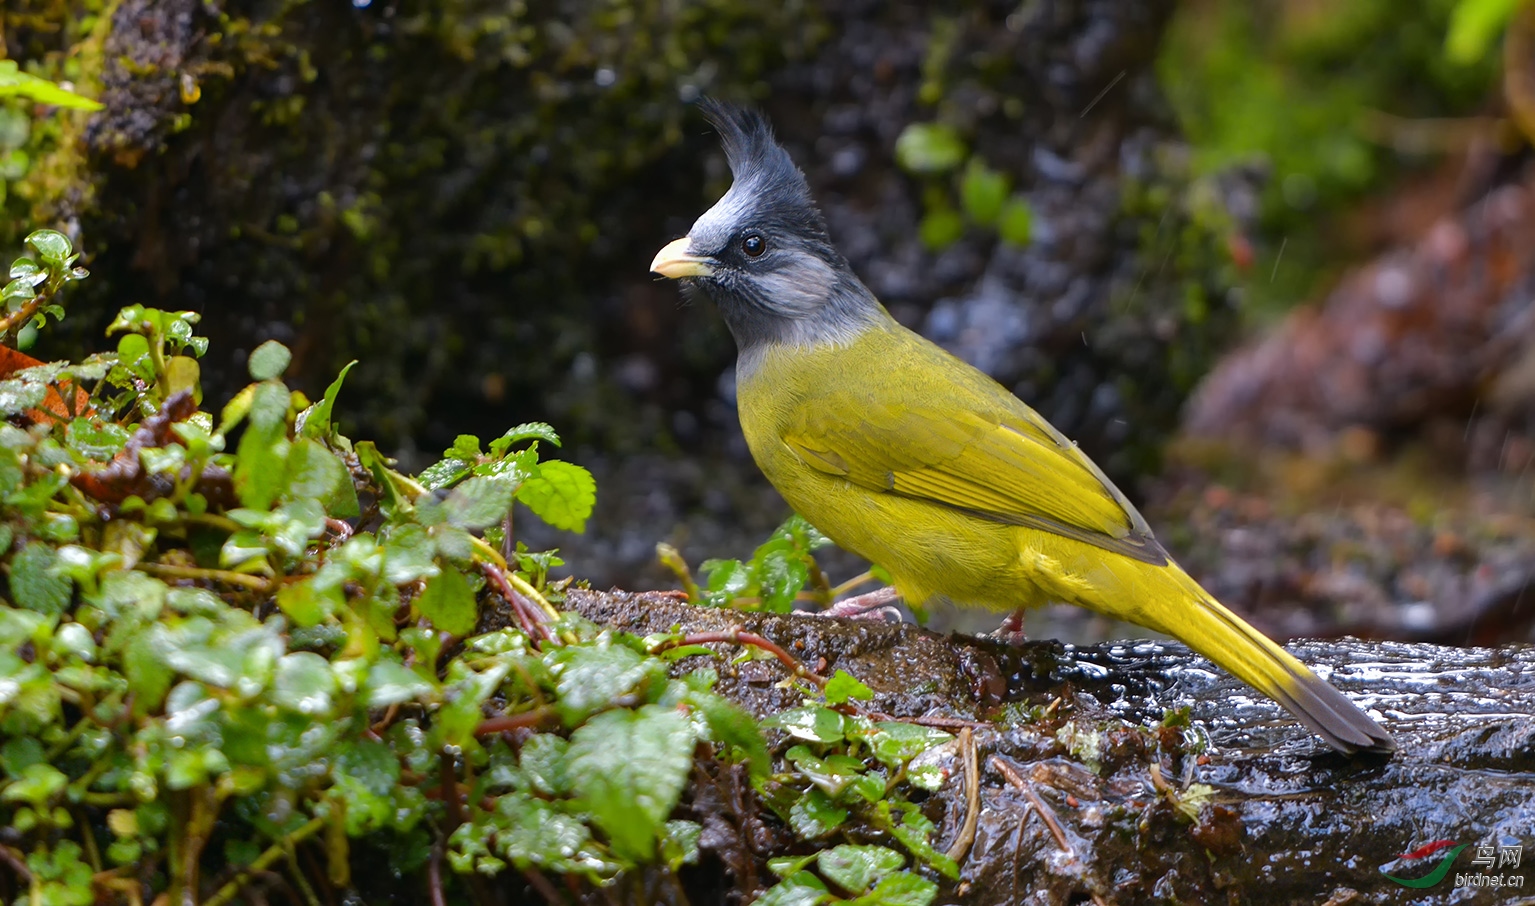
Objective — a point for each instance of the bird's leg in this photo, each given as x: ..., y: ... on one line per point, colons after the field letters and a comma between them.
x: 873, y: 605
x: 1011, y: 630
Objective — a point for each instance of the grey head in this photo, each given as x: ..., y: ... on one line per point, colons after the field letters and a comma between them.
x: 762, y: 252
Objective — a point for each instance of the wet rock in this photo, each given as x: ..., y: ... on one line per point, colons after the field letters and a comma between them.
x: 1283, y: 819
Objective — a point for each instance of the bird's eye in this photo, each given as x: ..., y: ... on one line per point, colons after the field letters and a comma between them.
x: 753, y: 245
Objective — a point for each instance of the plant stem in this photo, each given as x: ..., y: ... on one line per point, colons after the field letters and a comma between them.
x: 254, y: 583
x: 265, y: 860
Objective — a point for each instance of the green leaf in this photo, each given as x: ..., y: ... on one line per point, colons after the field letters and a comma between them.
x: 900, y: 889
x: 448, y: 602
x: 894, y: 743
x: 318, y: 421
x: 1474, y: 25
x: 562, y: 494
x: 843, y: 686
x: 929, y: 148
x: 731, y: 725
x: 545, y: 763
x: 813, y: 723
x: 313, y: 471
x: 19, y: 396
x: 51, y: 245
x: 95, y: 439
x: 838, y: 775
x: 261, y: 458
x: 269, y: 361
x: 409, y: 554
x: 941, y: 228
x: 478, y: 503
x: 591, y: 677
x: 34, y: 583
x: 1015, y: 224
x: 915, y: 832
x: 36, y: 786
x: 444, y: 473
x: 365, y: 775
x: 524, y: 431
x: 15, y: 82
x: 305, y: 683
x: 856, y: 868
x: 629, y: 768
x: 799, y: 889
x: 814, y: 815
x: 391, y: 683
x: 982, y: 190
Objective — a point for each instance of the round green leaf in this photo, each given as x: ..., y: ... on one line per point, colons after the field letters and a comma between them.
x: 929, y: 148
x: 269, y: 360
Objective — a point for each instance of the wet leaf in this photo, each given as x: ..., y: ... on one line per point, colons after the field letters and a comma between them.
x: 814, y: 815
x: 843, y: 687
x: 562, y: 494
x: 478, y: 502
x: 269, y: 360
x: 317, y: 423
x: 15, y: 82
x: 34, y: 583
x: 856, y: 868
x: 449, y: 603
x: 799, y: 889
x: 629, y: 768
x: 813, y: 723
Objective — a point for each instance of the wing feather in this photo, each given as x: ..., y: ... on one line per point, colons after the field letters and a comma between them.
x: 1008, y: 466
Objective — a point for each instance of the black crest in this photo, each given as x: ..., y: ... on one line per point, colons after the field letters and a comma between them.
x: 760, y: 165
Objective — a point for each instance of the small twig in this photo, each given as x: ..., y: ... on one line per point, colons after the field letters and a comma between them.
x: 254, y: 583
x: 1044, y: 811
x: 11, y: 321
x: 961, y: 846
x: 541, y: 884
x: 434, y: 876
x: 531, y: 621
x: 450, y: 796
x: 493, y: 725
x: 17, y: 862
x: 741, y: 637
x: 942, y: 723
x: 264, y: 861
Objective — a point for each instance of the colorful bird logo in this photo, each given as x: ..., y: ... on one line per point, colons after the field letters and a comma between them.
x: 1423, y: 852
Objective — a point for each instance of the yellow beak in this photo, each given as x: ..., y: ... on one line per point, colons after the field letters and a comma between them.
x: 674, y: 261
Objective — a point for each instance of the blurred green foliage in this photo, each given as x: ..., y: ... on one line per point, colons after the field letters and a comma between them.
x: 1300, y: 89
x: 227, y: 637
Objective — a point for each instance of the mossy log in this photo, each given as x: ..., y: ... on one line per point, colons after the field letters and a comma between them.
x: 1095, y: 798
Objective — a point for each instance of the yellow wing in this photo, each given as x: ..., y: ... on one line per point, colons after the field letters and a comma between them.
x: 1006, y: 464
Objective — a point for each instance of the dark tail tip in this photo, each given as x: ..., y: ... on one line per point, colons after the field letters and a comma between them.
x: 1331, y: 715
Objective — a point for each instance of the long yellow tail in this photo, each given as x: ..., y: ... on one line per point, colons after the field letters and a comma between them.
x: 1166, y: 599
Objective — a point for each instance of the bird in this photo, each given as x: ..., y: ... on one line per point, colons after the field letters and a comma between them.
x: 913, y: 459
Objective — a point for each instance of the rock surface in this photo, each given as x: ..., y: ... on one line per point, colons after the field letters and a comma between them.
x: 1287, y: 821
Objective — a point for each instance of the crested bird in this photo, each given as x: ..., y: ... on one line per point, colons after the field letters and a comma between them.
x: 913, y: 459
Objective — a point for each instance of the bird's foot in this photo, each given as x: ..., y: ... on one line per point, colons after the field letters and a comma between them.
x: 1011, y: 631
x: 874, y: 605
